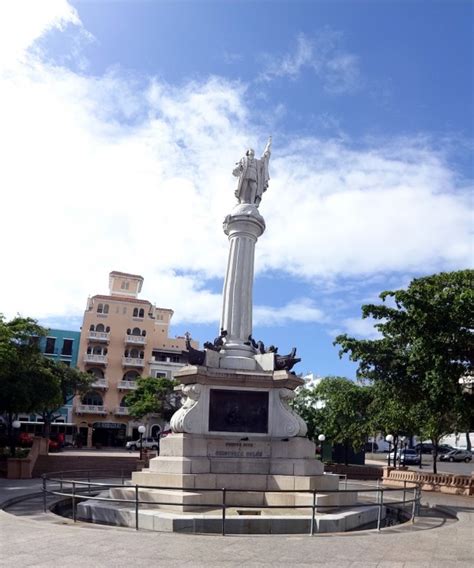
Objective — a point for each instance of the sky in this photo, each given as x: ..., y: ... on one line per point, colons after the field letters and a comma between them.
x: 121, y: 122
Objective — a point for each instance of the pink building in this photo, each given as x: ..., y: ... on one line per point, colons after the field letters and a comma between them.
x: 122, y: 338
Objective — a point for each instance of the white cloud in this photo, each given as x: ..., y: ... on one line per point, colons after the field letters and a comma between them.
x: 103, y: 173
x: 302, y: 310
x: 324, y: 55
x: 361, y: 328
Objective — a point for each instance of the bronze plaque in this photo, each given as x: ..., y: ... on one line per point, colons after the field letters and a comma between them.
x: 238, y: 411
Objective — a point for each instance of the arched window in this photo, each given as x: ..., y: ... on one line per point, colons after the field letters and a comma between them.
x: 96, y: 372
x: 97, y: 350
x: 134, y: 353
x: 105, y: 351
x: 131, y: 376
x: 106, y: 308
x: 136, y: 331
x: 123, y: 402
x: 91, y: 327
x: 100, y: 327
x: 155, y: 431
x: 142, y: 354
x: 141, y: 313
x: 129, y: 331
x: 100, y: 308
x: 89, y: 350
x: 144, y: 333
x: 126, y: 353
x: 107, y: 329
x: 93, y: 398
x: 135, y: 312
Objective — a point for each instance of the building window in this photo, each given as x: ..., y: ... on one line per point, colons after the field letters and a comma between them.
x: 107, y: 329
x: 106, y: 308
x: 136, y: 331
x: 125, y: 285
x: 144, y: 333
x: 100, y: 327
x: 67, y: 347
x: 131, y: 376
x: 100, y: 308
x: 92, y: 327
x: 96, y: 372
x: 160, y: 375
x: 50, y: 343
x: 124, y: 310
x: 135, y: 312
x: 141, y: 313
x: 92, y: 398
x: 175, y: 359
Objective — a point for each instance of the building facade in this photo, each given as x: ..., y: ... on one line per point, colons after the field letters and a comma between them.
x: 122, y: 338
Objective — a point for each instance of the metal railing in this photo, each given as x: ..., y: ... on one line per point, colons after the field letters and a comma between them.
x: 411, y: 497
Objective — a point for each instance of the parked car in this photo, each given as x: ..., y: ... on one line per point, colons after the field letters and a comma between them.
x: 406, y: 457
x: 148, y: 444
x: 444, y: 449
x: 457, y: 456
x: 426, y: 448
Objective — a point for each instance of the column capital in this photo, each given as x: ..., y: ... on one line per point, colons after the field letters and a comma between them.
x: 244, y: 218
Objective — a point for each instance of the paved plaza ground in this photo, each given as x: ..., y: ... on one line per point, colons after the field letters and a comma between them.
x: 45, y: 540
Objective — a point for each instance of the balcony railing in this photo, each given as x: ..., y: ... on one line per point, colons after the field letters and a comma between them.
x: 121, y: 411
x: 92, y: 358
x: 127, y: 385
x: 90, y: 409
x: 99, y: 336
x: 100, y: 384
x: 132, y: 362
x: 135, y: 339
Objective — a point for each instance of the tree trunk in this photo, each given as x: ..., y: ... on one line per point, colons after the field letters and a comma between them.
x: 346, y: 453
x: 46, y: 426
x: 435, y: 456
x: 395, y: 446
x: 468, y: 442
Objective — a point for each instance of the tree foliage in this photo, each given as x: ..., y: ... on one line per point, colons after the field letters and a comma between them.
x: 338, y: 408
x: 153, y: 396
x: 425, y: 346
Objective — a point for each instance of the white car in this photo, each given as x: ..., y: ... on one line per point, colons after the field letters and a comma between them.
x: 148, y: 444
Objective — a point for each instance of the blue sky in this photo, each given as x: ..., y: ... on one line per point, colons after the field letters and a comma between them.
x: 122, y: 122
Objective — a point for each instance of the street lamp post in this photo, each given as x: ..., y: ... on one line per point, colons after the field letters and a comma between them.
x: 15, y: 427
x: 141, y: 431
x: 389, y: 440
x: 403, y: 447
x: 321, y: 438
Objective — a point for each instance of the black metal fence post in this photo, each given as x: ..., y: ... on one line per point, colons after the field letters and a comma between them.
x: 379, y: 516
x: 136, y: 507
x: 44, y: 492
x: 73, y: 501
x: 223, y: 510
x: 313, y: 512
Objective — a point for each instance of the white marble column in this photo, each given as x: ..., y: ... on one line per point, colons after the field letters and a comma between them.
x: 243, y: 227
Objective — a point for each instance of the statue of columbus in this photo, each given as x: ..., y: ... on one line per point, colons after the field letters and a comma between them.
x: 253, y: 176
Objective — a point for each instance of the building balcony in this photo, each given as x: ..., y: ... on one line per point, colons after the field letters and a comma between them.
x: 100, y: 384
x: 126, y: 385
x: 101, y: 336
x: 135, y: 340
x: 132, y: 362
x: 121, y: 411
x: 90, y: 409
x: 93, y: 358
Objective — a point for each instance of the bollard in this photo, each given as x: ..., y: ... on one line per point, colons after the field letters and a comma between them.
x: 223, y: 510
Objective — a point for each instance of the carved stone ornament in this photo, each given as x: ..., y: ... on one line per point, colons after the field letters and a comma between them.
x: 186, y: 419
x: 288, y: 422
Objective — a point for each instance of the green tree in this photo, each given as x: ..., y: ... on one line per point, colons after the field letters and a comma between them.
x: 18, y: 392
x: 338, y: 408
x: 425, y: 346
x: 57, y: 383
x: 153, y: 396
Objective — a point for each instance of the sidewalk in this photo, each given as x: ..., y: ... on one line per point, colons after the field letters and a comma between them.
x: 49, y: 540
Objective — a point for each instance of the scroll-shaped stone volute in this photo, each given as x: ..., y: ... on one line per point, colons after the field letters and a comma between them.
x: 289, y: 422
x: 186, y: 418
x: 195, y: 356
x: 286, y: 362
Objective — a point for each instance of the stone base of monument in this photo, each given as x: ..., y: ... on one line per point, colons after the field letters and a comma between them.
x: 182, y: 490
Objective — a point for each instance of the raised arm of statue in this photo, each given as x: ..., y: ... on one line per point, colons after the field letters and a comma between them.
x: 268, y: 148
